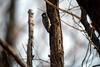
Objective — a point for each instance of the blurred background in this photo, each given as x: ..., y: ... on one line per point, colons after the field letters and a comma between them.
x: 14, y: 29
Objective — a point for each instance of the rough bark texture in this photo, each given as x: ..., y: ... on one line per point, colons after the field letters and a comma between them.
x: 30, y: 40
x: 56, y: 41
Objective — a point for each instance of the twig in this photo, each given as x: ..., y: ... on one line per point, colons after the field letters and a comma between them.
x: 24, y: 48
x: 72, y: 26
x: 85, y: 56
x: 12, y: 52
x: 62, y: 9
x: 41, y: 10
x: 73, y: 8
x: 77, y: 22
x: 42, y: 60
x: 96, y: 65
x: 30, y: 40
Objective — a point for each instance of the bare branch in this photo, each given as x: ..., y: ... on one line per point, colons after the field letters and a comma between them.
x: 30, y: 40
x: 73, y: 26
x: 73, y: 8
x: 96, y: 65
x: 42, y: 60
x: 12, y: 52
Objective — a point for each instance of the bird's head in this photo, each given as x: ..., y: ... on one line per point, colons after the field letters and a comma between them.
x: 44, y: 15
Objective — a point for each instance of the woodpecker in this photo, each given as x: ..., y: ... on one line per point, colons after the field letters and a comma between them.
x: 46, y: 22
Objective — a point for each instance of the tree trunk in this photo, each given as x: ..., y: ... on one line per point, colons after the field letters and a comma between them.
x: 56, y: 41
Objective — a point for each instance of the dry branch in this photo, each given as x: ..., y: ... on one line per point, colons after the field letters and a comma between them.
x: 96, y: 65
x: 73, y: 26
x: 12, y: 52
x: 30, y: 40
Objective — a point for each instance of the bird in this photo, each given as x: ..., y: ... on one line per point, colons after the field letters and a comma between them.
x: 46, y: 21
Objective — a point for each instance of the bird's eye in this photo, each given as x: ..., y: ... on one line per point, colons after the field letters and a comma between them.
x: 44, y: 15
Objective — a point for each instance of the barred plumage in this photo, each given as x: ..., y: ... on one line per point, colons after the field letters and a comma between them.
x: 46, y: 21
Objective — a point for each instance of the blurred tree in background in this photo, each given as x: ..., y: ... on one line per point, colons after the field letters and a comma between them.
x: 79, y: 32
x: 10, y: 35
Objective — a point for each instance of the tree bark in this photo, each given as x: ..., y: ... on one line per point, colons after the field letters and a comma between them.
x: 56, y: 40
x: 30, y: 40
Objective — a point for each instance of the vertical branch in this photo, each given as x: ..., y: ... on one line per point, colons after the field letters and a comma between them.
x: 30, y: 40
x: 56, y: 40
